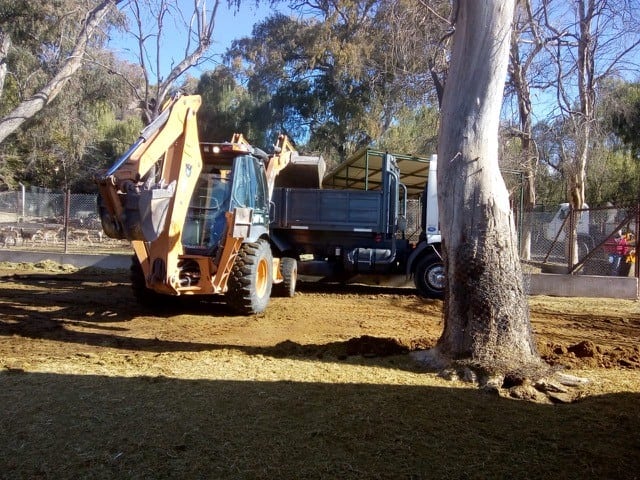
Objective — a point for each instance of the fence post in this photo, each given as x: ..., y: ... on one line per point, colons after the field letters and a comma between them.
x: 67, y: 210
x: 636, y: 233
x: 569, y: 238
x: 22, y: 200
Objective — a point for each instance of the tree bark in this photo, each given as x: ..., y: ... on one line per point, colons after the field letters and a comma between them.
x: 486, y: 316
x: 28, y: 108
x: 5, y: 45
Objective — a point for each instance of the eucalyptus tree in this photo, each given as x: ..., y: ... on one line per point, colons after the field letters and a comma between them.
x: 83, y: 130
x: 341, y: 75
x: 49, y: 41
x: 487, y: 331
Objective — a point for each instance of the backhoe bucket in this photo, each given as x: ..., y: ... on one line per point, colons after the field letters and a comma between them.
x: 302, y: 172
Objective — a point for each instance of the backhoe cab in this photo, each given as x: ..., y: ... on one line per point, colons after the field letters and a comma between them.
x: 197, y: 214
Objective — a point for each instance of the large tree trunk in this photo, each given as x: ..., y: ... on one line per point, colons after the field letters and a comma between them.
x: 486, y: 311
x: 28, y: 108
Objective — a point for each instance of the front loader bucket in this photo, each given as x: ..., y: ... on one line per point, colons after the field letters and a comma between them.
x: 146, y: 213
x: 302, y: 172
x: 154, y: 207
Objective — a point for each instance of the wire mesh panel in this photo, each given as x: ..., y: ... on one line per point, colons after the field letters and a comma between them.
x: 414, y: 220
x: 9, y: 207
x: 596, y: 241
x: 41, y: 219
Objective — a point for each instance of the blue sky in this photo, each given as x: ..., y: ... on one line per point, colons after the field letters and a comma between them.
x: 229, y: 25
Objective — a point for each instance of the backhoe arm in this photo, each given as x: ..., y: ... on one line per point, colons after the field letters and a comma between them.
x: 146, y: 194
x: 171, y: 138
x: 284, y: 151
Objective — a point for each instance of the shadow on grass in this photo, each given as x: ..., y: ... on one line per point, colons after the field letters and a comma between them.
x: 64, y: 426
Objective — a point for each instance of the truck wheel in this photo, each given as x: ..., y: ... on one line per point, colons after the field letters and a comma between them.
x: 429, y: 276
x: 249, y: 285
x: 289, y: 271
x: 143, y: 295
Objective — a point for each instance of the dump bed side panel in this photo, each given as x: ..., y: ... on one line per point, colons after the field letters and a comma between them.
x: 334, y: 210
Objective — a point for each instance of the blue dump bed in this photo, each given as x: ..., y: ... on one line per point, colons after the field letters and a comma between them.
x: 329, y: 210
x: 338, y: 233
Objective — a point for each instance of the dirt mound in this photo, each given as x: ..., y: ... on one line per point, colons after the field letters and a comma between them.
x: 369, y: 346
x: 587, y: 354
x: 48, y: 266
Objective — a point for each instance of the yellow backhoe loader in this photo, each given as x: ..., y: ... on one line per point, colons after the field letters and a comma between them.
x: 197, y: 214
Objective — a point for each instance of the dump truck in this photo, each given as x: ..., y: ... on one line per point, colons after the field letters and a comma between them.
x: 342, y: 235
x: 198, y: 214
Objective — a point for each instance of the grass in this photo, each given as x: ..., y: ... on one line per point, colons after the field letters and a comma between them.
x: 58, y: 425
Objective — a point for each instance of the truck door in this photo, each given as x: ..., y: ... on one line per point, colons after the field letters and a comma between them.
x: 250, y: 191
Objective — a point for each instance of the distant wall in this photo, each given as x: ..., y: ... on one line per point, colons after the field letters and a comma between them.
x: 109, y: 262
x: 584, y: 286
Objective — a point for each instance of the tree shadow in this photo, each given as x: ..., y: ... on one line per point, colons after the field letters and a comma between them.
x: 90, y: 426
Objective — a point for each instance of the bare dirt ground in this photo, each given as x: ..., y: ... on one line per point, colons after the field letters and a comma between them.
x: 85, y: 371
x: 95, y: 309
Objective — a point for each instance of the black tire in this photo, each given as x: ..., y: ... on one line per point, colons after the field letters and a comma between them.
x: 289, y: 272
x: 143, y: 295
x: 429, y: 276
x: 251, y: 278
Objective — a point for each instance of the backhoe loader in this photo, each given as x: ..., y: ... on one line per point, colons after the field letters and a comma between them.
x: 197, y: 214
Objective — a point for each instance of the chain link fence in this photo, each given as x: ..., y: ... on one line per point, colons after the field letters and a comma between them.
x: 595, y: 241
x: 42, y: 219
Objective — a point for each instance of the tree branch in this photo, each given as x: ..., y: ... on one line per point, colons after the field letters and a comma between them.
x: 28, y: 108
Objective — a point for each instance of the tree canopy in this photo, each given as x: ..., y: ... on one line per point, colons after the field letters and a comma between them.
x: 336, y: 76
x: 342, y: 77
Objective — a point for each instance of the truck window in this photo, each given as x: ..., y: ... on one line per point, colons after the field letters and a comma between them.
x: 249, y: 184
x: 261, y: 186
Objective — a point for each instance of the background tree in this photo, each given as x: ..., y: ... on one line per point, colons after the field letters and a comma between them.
x: 615, y: 177
x: 526, y: 45
x: 57, y: 61
x: 595, y: 40
x: 148, y: 24
x: 620, y: 113
x: 486, y: 317
x: 227, y: 109
x: 341, y: 77
x: 82, y: 131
